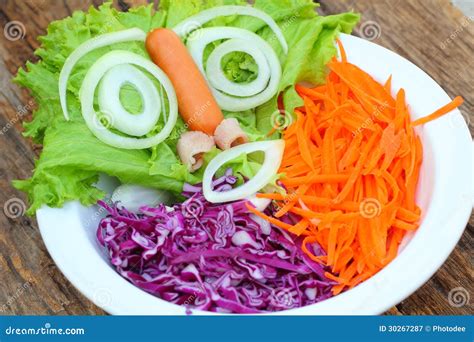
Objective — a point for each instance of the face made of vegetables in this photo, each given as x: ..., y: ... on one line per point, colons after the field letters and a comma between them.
x: 351, y: 147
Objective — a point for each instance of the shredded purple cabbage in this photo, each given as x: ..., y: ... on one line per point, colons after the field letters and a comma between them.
x: 215, y: 257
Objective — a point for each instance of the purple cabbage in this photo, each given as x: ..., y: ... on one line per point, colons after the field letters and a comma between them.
x: 215, y: 257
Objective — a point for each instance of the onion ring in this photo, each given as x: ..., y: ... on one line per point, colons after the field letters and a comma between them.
x: 257, y: 47
x: 107, y: 62
x: 86, y: 47
x: 273, y: 150
x: 232, y: 96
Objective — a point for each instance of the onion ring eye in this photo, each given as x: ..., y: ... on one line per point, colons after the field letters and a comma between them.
x: 228, y: 94
x: 219, y: 81
x: 109, y: 100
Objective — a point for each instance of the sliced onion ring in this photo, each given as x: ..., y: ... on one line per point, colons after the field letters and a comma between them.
x: 257, y: 46
x: 86, y: 47
x: 186, y: 27
x: 273, y: 151
x: 90, y: 83
x: 109, y: 100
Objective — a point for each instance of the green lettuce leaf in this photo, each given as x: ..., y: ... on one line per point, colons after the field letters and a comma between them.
x: 70, y: 163
x: 178, y: 10
x: 239, y: 67
x: 73, y: 158
x: 310, y: 41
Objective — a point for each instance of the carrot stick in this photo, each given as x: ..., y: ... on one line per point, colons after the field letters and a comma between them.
x: 341, y: 51
x: 270, y: 219
x: 458, y: 100
x: 388, y: 85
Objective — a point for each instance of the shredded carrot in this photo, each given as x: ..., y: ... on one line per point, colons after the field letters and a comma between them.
x: 351, y: 166
x: 388, y: 85
x: 458, y: 100
x: 270, y: 219
x: 316, y: 178
x: 341, y: 51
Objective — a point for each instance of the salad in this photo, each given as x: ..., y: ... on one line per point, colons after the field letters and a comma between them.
x: 260, y: 170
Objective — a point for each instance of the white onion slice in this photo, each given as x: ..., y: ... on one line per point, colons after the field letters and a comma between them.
x: 109, y: 100
x: 187, y: 26
x: 132, y: 197
x: 86, y: 47
x: 253, y: 44
x: 91, y: 81
x: 273, y: 151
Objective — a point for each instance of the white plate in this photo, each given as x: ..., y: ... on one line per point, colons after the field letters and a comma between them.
x: 444, y: 194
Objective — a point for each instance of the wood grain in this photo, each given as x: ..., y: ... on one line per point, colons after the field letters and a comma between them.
x: 430, y: 33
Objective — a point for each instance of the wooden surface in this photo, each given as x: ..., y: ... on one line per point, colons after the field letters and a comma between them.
x: 431, y: 33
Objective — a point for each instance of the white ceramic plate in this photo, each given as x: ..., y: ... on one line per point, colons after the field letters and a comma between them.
x: 444, y: 194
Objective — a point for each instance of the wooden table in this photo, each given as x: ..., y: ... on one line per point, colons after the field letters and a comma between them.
x: 419, y: 30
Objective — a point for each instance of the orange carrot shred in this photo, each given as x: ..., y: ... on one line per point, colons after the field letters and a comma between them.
x: 388, y: 85
x: 342, y: 51
x: 458, y: 100
x: 351, y: 166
